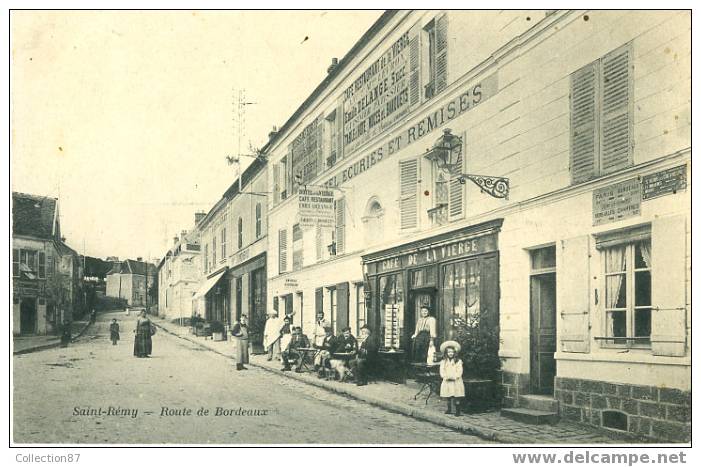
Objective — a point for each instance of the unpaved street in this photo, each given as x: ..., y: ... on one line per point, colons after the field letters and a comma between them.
x: 58, y: 395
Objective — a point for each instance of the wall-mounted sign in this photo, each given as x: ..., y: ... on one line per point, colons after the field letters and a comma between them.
x: 291, y: 283
x: 316, y: 207
x: 616, y: 202
x: 664, y: 183
x: 393, y: 324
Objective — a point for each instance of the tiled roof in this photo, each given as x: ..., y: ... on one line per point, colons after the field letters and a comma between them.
x: 131, y: 266
x: 65, y: 250
x: 33, y: 215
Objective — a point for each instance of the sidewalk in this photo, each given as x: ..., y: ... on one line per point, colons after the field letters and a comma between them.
x: 400, y: 398
x: 27, y: 344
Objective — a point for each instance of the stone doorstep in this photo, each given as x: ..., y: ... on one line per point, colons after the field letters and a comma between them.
x: 538, y: 402
x: 484, y: 432
x: 531, y: 416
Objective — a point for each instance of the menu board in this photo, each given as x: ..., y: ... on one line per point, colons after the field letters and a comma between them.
x: 393, y: 324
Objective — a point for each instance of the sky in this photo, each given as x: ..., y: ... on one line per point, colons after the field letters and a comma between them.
x: 127, y: 117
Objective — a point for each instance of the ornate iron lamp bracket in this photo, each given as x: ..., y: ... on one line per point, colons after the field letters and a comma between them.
x: 497, y: 187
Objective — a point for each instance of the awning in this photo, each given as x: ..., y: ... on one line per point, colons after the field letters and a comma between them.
x: 209, y: 283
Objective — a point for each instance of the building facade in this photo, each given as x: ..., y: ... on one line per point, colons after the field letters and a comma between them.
x: 46, y: 273
x: 179, y: 275
x: 527, y: 170
x: 127, y: 281
x: 233, y: 247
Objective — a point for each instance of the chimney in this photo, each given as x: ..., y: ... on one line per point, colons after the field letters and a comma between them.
x: 175, y: 240
x: 183, y: 233
x: 334, y: 64
x: 273, y: 132
x: 139, y: 259
x: 199, y: 215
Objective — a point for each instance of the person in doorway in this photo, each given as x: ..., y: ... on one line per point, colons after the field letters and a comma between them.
x: 366, y: 358
x: 424, y: 335
x: 142, y: 341
x: 239, y: 334
x: 319, y: 329
x: 293, y: 353
x: 271, y: 335
x: 452, y: 387
x: 65, y: 333
x: 114, y: 331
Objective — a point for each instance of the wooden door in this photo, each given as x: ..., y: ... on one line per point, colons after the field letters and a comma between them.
x: 543, y: 333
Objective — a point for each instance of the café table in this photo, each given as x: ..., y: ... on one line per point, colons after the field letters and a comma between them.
x: 427, y: 374
x: 308, y: 356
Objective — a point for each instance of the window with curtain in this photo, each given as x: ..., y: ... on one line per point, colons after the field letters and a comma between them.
x: 627, y: 296
x: 460, y: 291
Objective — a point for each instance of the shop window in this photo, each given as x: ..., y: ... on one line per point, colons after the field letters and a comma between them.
x: 391, y: 293
x: 601, y: 116
x: 627, y: 293
x: 259, y: 220
x: 460, y: 290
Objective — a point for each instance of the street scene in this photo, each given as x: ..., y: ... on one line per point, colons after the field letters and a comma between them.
x: 406, y: 227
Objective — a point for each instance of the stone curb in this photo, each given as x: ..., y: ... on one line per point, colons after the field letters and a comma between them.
x: 425, y: 415
x: 52, y: 345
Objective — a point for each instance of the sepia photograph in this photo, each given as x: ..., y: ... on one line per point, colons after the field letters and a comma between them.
x: 350, y: 228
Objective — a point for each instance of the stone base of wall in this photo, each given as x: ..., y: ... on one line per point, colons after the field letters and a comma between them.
x: 654, y: 413
x: 513, y: 385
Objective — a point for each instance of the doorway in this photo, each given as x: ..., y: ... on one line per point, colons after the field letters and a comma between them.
x: 543, y: 321
x: 28, y: 316
x: 417, y: 299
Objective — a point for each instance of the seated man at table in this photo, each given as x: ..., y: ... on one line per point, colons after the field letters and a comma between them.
x: 322, y: 357
x: 345, y: 344
x: 298, y: 341
x: 366, y: 358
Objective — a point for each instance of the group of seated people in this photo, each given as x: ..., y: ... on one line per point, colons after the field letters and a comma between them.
x: 339, y: 355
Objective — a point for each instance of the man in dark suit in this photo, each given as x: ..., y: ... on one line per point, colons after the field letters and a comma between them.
x: 366, y: 359
x: 345, y: 344
x: 299, y: 340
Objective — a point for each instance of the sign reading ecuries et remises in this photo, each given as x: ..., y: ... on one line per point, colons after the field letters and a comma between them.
x: 316, y: 207
x: 664, y: 182
x: 616, y: 202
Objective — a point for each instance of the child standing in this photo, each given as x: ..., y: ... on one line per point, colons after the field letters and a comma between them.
x: 452, y: 387
x: 114, y: 331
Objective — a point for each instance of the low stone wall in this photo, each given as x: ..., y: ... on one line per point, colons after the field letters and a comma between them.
x: 513, y: 385
x: 655, y: 413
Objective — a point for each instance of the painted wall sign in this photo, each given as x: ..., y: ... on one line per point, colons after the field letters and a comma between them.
x: 616, y: 202
x: 471, y: 96
x: 291, y: 283
x: 467, y: 247
x: 306, y: 154
x: 664, y: 182
x: 316, y: 207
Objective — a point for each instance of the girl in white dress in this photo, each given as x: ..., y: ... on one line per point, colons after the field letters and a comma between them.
x: 452, y: 387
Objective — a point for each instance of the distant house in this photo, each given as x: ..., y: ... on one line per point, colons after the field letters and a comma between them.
x: 127, y: 280
x: 46, y: 273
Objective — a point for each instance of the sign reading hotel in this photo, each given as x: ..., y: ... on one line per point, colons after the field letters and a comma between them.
x: 378, y: 97
x: 616, y: 202
x: 316, y: 207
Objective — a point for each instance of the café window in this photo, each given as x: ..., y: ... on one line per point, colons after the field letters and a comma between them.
x: 391, y: 293
x: 460, y: 293
x: 424, y: 277
x: 628, y: 280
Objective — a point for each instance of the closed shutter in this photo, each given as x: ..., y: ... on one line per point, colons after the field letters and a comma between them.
x: 276, y: 183
x: 282, y: 250
x: 339, y: 132
x: 318, y: 301
x: 441, y: 53
x: 573, y: 294
x: 340, y: 226
x: 669, y: 282
x: 616, y: 134
x: 319, y: 243
x: 414, y: 68
x: 456, y: 190
x: 583, y: 124
x: 342, y: 308
x: 408, y: 193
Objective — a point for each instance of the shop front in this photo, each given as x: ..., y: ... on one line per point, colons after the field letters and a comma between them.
x: 247, y: 284
x: 455, y: 275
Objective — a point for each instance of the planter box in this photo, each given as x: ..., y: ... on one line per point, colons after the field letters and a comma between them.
x: 480, y: 395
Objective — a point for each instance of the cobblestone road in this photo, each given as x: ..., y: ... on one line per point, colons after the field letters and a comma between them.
x: 55, y: 391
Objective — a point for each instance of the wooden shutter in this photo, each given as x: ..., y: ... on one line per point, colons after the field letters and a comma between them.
x: 584, y: 146
x: 342, y: 306
x: 408, y: 193
x: 340, y: 226
x: 339, y: 132
x: 441, y: 53
x: 414, y: 67
x: 319, y: 243
x: 282, y: 250
x: 318, y: 301
x: 616, y: 122
x: 669, y: 282
x: 456, y: 190
x: 276, y: 183
x: 573, y: 294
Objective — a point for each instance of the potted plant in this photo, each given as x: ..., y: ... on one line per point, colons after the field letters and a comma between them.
x: 218, y: 331
x: 479, y: 352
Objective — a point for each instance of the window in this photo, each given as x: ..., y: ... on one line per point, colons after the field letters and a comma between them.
x: 297, y: 248
x: 282, y: 250
x: 15, y: 262
x: 280, y: 181
x: 259, y: 220
x: 214, y: 250
x: 627, y: 296
x: 437, y: 34
x: 360, y: 306
x: 223, y: 243
x: 460, y: 292
x: 340, y: 234
x: 240, y: 233
x: 333, y: 298
x: 373, y: 222
x: 206, y: 258
x: 42, y: 265
x: 391, y: 293
x: 331, y: 140
x: 601, y: 134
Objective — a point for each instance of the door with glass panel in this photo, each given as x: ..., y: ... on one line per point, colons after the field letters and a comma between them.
x: 543, y: 338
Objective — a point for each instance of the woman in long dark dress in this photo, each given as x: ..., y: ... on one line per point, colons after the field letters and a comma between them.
x: 239, y: 334
x: 114, y: 331
x: 142, y: 340
x: 424, y: 336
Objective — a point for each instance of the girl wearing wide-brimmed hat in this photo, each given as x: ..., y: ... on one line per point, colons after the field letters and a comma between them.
x: 452, y: 387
